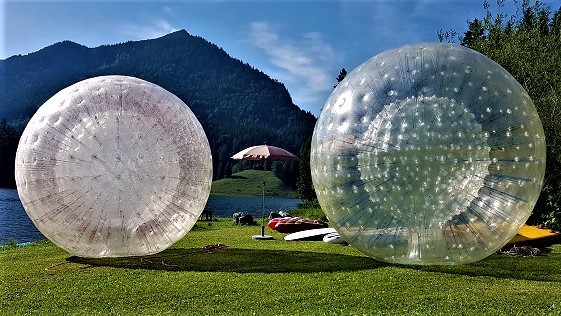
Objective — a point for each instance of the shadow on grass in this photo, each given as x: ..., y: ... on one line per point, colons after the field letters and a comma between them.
x: 237, y: 260
x: 545, y: 267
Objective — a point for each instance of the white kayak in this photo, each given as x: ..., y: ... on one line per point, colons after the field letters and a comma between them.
x: 310, y: 234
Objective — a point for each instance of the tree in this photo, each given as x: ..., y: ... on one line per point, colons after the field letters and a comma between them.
x: 8, y: 147
x: 228, y: 169
x: 474, y: 33
x: 342, y: 75
x: 305, y: 187
x: 527, y: 46
x: 447, y: 36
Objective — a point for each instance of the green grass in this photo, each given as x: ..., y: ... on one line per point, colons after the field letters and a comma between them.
x: 276, y: 277
x: 250, y: 183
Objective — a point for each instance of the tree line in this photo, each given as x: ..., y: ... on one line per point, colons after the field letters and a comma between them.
x: 528, y: 45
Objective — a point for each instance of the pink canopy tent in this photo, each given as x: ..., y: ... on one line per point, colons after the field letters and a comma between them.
x: 264, y: 153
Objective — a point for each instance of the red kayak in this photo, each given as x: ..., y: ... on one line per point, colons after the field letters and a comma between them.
x: 273, y: 222
x: 296, y: 224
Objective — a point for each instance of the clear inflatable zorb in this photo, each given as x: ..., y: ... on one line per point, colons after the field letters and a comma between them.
x: 114, y: 166
x: 428, y: 154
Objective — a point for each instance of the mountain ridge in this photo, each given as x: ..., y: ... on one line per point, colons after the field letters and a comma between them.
x: 238, y: 105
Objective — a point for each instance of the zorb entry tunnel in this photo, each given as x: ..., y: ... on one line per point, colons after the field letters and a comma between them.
x: 113, y: 166
x: 428, y: 154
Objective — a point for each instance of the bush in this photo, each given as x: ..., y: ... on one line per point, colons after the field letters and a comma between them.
x: 311, y: 213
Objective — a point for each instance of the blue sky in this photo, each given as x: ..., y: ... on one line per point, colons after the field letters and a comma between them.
x: 303, y: 44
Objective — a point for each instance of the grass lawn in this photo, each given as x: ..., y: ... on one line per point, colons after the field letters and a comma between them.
x: 250, y: 183
x: 277, y: 277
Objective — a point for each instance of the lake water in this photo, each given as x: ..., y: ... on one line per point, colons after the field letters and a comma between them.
x: 14, y: 222
x: 16, y: 225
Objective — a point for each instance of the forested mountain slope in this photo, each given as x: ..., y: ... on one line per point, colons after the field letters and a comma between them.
x: 237, y: 105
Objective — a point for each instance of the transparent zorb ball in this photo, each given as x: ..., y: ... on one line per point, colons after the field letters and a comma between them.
x: 113, y: 166
x: 428, y: 154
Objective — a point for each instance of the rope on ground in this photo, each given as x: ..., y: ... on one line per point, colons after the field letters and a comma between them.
x: 211, y: 248
x: 170, y: 265
x: 522, y: 251
x: 145, y: 261
x: 208, y: 249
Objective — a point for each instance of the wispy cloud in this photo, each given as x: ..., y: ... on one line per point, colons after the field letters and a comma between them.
x: 154, y: 28
x: 303, y: 63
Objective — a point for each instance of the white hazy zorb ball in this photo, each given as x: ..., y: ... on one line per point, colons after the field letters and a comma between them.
x: 428, y: 154
x: 114, y: 166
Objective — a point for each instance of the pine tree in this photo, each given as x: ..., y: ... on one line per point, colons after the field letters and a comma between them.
x: 305, y: 187
x: 342, y: 75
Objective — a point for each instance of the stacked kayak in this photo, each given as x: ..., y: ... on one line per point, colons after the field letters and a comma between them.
x: 289, y: 225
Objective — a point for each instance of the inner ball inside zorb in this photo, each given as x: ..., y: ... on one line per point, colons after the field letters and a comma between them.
x: 428, y: 154
x: 114, y: 166
x: 415, y: 146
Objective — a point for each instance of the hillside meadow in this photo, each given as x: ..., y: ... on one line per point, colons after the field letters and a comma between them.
x: 250, y: 183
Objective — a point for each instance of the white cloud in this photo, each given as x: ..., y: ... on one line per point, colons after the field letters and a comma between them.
x: 304, y: 64
x: 152, y: 29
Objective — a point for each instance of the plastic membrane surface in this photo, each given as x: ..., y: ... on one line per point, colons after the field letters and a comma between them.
x: 428, y: 154
x: 113, y: 166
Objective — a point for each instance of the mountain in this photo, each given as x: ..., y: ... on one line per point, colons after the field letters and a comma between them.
x: 237, y: 105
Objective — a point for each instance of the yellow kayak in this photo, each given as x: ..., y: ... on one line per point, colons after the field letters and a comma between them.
x: 528, y: 233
